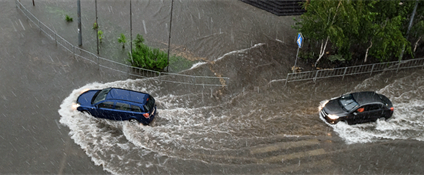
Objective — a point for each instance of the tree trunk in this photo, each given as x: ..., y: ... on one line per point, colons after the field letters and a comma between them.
x: 322, y: 50
x: 366, y: 53
x: 416, y: 44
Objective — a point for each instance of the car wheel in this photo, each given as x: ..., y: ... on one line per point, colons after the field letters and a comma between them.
x: 351, y: 122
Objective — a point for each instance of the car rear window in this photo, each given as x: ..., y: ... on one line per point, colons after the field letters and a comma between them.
x: 149, y: 104
x: 386, y: 101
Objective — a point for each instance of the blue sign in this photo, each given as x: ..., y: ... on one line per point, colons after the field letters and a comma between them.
x: 299, y: 40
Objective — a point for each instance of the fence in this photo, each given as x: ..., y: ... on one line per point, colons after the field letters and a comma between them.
x: 355, y: 70
x: 120, y: 67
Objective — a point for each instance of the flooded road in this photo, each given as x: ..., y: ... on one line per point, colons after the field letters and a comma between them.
x: 255, y: 125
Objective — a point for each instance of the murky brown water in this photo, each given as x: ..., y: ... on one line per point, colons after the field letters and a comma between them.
x: 256, y: 125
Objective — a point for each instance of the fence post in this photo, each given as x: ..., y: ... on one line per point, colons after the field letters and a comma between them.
x: 344, y: 73
x: 160, y: 78
x: 128, y: 71
x: 372, y: 69
x: 287, y: 79
x: 397, y: 70
x: 316, y: 75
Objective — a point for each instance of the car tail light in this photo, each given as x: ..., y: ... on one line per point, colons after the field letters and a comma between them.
x: 146, y: 115
x: 392, y: 108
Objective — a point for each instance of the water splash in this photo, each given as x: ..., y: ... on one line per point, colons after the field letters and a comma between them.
x: 407, y: 122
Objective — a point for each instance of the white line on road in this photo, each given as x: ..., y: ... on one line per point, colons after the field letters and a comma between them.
x: 144, y: 25
x: 303, y: 166
x: 21, y: 24
x: 283, y: 145
x: 13, y: 26
x: 282, y: 158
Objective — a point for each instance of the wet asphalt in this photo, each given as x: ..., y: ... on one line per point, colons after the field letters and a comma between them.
x: 35, y: 78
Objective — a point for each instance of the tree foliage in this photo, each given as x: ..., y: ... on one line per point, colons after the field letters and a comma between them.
x: 145, y: 57
x: 356, y: 29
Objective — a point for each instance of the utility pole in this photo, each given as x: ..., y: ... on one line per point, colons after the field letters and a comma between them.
x: 79, y: 23
x: 130, y: 31
x: 170, y: 27
x: 97, y: 29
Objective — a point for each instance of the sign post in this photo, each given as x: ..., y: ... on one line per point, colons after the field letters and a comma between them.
x: 299, y: 43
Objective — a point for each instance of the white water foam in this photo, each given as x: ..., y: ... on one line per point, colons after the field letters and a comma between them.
x: 117, y: 144
x: 197, y: 65
x: 178, y: 130
x: 407, y: 122
x: 99, y: 138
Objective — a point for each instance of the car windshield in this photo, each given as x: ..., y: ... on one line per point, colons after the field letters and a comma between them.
x: 101, y: 95
x: 347, y: 102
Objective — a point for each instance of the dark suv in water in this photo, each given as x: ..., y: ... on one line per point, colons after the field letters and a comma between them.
x: 117, y: 104
x: 358, y: 107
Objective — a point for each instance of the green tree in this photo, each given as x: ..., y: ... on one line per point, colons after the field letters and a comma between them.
x: 360, y: 27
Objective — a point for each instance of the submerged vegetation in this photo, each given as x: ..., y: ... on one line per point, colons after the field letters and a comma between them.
x: 148, y: 58
x: 122, y: 40
x: 68, y: 18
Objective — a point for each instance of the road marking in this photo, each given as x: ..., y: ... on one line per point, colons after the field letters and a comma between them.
x: 13, y: 25
x: 21, y: 24
x: 283, y: 145
x: 144, y: 25
x: 224, y: 157
x: 302, y: 166
x: 297, y: 155
x: 63, y: 161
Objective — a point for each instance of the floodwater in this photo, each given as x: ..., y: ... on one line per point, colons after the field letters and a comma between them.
x: 250, y: 131
x: 255, y: 125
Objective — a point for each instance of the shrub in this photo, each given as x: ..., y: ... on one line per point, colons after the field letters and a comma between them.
x: 100, y: 35
x: 68, y: 18
x: 95, y: 25
x: 122, y: 40
x: 145, y: 57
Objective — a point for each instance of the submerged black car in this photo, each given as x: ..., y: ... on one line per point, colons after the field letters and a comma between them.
x: 357, y: 107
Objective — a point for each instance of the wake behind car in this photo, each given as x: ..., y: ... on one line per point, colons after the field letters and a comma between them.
x: 357, y: 107
x: 117, y: 104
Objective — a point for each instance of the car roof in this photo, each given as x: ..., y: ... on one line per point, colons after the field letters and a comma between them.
x: 127, y: 95
x: 366, y: 97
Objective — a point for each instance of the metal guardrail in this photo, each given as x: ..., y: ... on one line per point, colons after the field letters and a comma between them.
x: 355, y: 70
x: 120, y: 67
